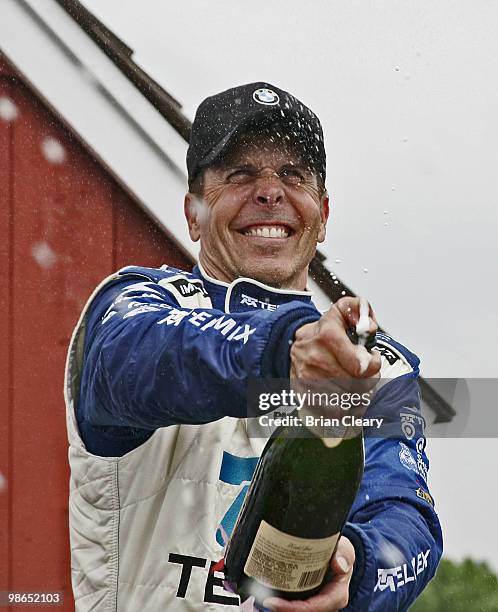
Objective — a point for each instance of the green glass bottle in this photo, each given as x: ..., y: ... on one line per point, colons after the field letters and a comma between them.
x: 296, y: 506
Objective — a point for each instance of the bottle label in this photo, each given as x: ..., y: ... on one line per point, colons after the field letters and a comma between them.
x: 288, y: 563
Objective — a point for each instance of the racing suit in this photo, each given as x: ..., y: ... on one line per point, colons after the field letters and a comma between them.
x: 161, y: 459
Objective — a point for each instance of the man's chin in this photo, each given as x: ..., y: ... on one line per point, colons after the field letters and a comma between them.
x: 270, y: 274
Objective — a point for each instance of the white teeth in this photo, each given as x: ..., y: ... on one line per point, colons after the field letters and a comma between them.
x: 271, y: 231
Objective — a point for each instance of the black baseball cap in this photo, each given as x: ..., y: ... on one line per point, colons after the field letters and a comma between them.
x: 224, y: 116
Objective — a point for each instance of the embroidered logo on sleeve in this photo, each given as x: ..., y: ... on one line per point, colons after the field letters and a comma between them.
x: 406, y: 458
x: 395, y: 577
x: 410, y: 421
x: 425, y: 496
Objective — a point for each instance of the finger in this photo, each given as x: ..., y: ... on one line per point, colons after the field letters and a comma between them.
x: 374, y: 365
x: 324, y: 365
x: 275, y: 604
x: 325, y: 345
x: 316, y: 353
x: 333, y: 596
x: 343, y: 557
x: 319, y: 365
x: 332, y: 333
x: 335, y: 339
x: 339, y: 381
x: 349, y: 309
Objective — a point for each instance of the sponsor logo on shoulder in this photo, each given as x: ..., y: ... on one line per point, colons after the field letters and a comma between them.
x: 394, y: 578
x: 128, y: 303
x: 188, y: 288
x: 425, y: 496
x: 409, y: 422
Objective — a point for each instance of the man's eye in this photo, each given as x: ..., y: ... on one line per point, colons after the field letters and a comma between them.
x: 292, y: 175
x: 239, y: 176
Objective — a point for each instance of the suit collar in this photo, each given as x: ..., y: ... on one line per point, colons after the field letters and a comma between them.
x: 244, y: 294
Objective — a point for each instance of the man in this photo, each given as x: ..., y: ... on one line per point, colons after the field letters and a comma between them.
x: 157, y: 374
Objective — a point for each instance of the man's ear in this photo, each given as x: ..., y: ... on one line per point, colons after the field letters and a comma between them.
x: 191, y: 209
x: 324, y: 215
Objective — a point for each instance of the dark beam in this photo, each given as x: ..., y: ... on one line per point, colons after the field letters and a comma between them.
x: 121, y: 55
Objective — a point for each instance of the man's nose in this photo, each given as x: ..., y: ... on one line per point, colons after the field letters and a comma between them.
x: 268, y: 190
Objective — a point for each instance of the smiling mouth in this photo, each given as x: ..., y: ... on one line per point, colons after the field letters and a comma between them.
x: 267, y: 231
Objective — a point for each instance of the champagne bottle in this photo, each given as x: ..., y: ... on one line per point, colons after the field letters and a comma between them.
x: 296, y: 506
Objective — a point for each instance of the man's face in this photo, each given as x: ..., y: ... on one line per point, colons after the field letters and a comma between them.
x: 261, y: 216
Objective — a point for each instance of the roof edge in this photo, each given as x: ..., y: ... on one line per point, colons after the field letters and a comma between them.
x: 121, y: 55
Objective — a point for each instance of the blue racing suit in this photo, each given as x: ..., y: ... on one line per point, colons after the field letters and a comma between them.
x: 144, y: 354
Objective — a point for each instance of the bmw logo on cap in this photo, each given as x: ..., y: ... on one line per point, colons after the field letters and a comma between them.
x: 266, y: 96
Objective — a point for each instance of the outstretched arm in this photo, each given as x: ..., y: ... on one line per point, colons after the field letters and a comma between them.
x: 150, y: 363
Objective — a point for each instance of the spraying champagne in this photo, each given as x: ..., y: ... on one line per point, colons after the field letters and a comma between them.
x: 299, y: 499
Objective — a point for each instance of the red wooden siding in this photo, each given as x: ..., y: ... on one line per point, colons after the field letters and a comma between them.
x: 64, y: 225
x: 5, y: 340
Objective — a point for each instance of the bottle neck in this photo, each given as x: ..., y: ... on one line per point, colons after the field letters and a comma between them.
x: 331, y: 430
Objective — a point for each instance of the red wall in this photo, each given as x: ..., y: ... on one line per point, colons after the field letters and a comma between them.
x: 64, y: 225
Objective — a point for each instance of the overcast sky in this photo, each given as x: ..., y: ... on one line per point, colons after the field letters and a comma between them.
x: 406, y: 92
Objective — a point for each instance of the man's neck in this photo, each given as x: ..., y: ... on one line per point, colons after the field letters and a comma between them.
x: 215, y: 274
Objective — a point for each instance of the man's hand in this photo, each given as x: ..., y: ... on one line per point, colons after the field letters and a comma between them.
x: 334, y: 595
x: 322, y: 350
